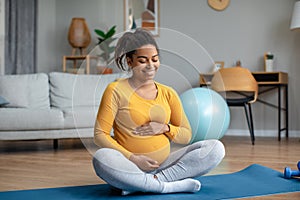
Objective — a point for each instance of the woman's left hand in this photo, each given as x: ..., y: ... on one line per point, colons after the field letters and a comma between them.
x: 151, y: 128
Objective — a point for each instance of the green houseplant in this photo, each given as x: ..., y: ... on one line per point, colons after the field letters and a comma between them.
x: 105, y: 40
x: 269, y: 62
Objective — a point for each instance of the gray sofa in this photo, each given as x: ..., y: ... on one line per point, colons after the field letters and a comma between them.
x: 50, y: 106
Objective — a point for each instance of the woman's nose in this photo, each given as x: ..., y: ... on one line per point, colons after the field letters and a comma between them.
x: 150, y: 64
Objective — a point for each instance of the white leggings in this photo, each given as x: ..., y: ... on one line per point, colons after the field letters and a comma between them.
x: 191, y: 161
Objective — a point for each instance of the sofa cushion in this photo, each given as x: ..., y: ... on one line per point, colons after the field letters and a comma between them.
x: 30, y: 119
x: 80, y: 117
x: 82, y: 133
x: 72, y: 90
x: 25, y: 90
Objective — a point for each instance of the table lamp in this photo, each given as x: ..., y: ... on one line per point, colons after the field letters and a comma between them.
x: 295, y: 22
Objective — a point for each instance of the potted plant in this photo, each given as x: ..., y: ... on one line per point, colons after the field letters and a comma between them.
x: 105, y: 40
x: 269, y: 60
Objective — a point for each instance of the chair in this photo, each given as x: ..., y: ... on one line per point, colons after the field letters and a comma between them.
x: 240, y: 89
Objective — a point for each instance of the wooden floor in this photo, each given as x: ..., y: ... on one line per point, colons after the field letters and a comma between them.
x: 34, y: 164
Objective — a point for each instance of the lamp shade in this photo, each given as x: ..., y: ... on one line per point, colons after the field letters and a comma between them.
x: 295, y: 22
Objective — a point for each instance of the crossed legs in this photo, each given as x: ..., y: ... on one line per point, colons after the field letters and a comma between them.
x: 174, y: 175
x: 192, y: 161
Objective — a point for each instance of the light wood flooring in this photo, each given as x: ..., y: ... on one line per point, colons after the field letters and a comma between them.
x: 34, y: 164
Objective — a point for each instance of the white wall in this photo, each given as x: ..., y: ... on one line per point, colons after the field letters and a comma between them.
x: 47, y: 35
x: 54, y: 20
x: 193, y: 35
x: 244, y: 31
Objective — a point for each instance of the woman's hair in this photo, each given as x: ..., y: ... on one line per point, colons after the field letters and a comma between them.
x: 129, y: 43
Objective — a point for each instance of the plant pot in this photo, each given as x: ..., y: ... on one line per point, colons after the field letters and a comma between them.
x: 269, y: 65
x: 104, y: 70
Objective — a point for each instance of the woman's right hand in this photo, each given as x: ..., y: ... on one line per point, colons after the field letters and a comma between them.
x: 144, y: 163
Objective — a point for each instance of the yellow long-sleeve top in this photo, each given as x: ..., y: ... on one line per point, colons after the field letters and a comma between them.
x: 123, y: 110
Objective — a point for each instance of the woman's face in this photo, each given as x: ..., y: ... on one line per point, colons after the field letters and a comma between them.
x: 144, y: 63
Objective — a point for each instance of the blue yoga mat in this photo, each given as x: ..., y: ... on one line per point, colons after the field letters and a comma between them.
x: 255, y: 180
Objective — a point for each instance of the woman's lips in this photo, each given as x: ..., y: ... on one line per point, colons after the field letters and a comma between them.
x: 150, y: 72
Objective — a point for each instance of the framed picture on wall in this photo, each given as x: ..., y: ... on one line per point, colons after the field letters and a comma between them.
x: 142, y: 13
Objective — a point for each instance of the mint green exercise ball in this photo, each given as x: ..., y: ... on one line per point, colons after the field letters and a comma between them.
x: 207, y: 112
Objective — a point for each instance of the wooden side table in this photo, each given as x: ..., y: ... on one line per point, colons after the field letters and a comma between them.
x: 75, y: 59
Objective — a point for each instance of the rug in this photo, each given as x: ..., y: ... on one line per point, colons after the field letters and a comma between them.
x: 255, y: 180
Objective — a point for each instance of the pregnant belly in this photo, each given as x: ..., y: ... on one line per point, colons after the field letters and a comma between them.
x: 155, y: 147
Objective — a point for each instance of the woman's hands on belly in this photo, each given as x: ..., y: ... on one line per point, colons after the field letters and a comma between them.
x: 145, y: 163
x: 151, y: 128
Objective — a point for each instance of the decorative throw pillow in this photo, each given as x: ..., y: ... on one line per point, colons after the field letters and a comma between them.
x: 25, y: 90
x: 3, y: 101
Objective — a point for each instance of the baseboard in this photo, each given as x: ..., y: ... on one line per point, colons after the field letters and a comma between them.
x: 261, y: 133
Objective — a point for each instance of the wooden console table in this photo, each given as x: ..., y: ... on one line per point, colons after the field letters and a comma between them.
x: 267, y: 81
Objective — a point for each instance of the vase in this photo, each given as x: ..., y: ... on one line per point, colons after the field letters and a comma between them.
x: 79, y: 35
x: 269, y: 65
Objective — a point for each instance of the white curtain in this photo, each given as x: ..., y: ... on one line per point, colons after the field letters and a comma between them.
x: 20, y: 36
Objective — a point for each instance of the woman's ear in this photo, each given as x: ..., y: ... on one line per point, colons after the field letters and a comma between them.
x: 129, y: 61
